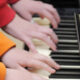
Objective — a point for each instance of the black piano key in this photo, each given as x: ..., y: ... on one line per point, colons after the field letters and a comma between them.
x: 67, y: 44
x: 74, y: 36
x: 67, y: 17
x: 74, y: 43
x: 67, y: 25
x: 67, y: 62
x: 67, y: 74
x: 67, y: 38
x: 61, y: 76
x: 66, y: 29
x: 67, y: 48
x: 65, y: 33
x: 63, y: 53
x: 68, y: 21
x: 72, y: 57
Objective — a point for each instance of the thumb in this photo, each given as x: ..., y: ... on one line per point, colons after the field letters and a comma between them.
x: 30, y: 45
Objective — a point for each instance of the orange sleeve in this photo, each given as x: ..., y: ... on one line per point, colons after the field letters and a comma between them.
x: 2, y: 71
x: 5, y: 44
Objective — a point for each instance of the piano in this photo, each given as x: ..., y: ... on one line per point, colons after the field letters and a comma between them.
x: 68, y: 48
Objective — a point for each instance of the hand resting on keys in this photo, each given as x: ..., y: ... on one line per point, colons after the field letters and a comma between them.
x: 16, y: 57
x: 27, y: 8
x: 26, y: 31
x: 21, y: 74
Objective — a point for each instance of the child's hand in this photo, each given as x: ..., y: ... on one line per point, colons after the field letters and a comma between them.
x: 26, y: 8
x: 21, y: 74
x: 16, y: 57
x: 25, y: 31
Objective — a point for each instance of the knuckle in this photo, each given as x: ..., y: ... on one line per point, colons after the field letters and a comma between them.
x: 43, y: 10
x: 55, y: 10
x: 39, y: 2
x: 51, y: 6
x: 43, y: 37
x: 51, y: 17
x: 31, y: 63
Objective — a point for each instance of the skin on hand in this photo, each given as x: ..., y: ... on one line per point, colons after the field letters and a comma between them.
x: 26, y: 8
x: 21, y: 74
x: 26, y: 31
x: 16, y: 57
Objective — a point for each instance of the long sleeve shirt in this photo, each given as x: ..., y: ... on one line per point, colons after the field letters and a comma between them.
x: 7, y: 14
x: 5, y: 45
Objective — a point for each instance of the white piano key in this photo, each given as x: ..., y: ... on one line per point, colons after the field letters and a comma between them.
x: 68, y: 51
x: 40, y: 21
x: 68, y: 41
x: 67, y: 24
x: 70, y: 67
x: 44, y: 51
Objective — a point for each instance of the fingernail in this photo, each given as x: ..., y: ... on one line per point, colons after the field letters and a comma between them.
x: 57, y: 40
x: 55, y: 48
x: 53, y: 71
x: 55, y: 26
x: 58, y: 66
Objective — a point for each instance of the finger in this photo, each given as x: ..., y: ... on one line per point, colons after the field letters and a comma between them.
x: 53, y: 12
x: 27, y: 16
x: 51, y: 62
x: 50, y: 33
x: 40, y: 65
x: 30, y: 45
x: 47, y: 60
x: 38, y: 77
x: 52, y: 19
x: 44, y: 13
x: 46, y: 39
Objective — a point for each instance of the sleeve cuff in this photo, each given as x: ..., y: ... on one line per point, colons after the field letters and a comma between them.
x: 6, y: 15
x: 12, y: 1
x: 5, y: 44
x: 2, y: 71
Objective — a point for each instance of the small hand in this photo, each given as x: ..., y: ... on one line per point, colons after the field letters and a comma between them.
x: 26, y: 8
x: 26, y: 31
x: 16, y: 57
x: 21, y: 74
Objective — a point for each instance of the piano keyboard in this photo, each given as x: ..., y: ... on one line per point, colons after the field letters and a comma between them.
x: 67, y: 54
x: 68, y: 51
